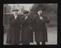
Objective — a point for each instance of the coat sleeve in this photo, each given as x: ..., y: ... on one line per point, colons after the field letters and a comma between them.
x: 11, y: 18
x: 46, y: 19
x: 29, y: 21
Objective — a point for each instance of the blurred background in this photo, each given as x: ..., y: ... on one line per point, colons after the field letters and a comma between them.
x: 50, y: 10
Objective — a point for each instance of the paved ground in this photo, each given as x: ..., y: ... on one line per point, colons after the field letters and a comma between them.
x: 52, y: 37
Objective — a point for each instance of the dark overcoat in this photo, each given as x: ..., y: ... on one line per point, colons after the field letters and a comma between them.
x: 13, y: 36
x: 27, y: 34
x: 40, y: 28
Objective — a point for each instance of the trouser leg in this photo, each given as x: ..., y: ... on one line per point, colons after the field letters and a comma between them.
x: 38, y: 43
x: 26, y: 43
x: 43, y: 43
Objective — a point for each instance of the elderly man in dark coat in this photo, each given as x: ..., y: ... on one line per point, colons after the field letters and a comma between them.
x: 39, y: 27
x: 27, y: 35
x: 13, y: 36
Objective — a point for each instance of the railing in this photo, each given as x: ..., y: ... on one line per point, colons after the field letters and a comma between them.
x: 7, y: 13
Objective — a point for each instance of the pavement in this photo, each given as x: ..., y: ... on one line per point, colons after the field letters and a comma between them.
x: 51, y: 33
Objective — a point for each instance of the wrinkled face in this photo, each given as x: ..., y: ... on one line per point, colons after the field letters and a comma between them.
x: 39, y: 12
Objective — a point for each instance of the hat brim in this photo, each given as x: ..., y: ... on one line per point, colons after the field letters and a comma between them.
x: 25, y: 12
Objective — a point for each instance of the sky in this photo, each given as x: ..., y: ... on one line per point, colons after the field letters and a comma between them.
x: 26, y: 6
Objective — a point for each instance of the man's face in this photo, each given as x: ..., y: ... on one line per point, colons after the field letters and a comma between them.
x: 25, y: 14
x: 40, y: 12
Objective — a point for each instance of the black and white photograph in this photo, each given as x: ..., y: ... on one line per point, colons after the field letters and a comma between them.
x: 30, y: 24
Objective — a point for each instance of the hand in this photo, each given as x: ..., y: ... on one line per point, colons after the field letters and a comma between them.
x: 41, y: 18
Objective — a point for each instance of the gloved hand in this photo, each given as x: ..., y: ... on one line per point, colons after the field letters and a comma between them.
x: 41, y: 18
